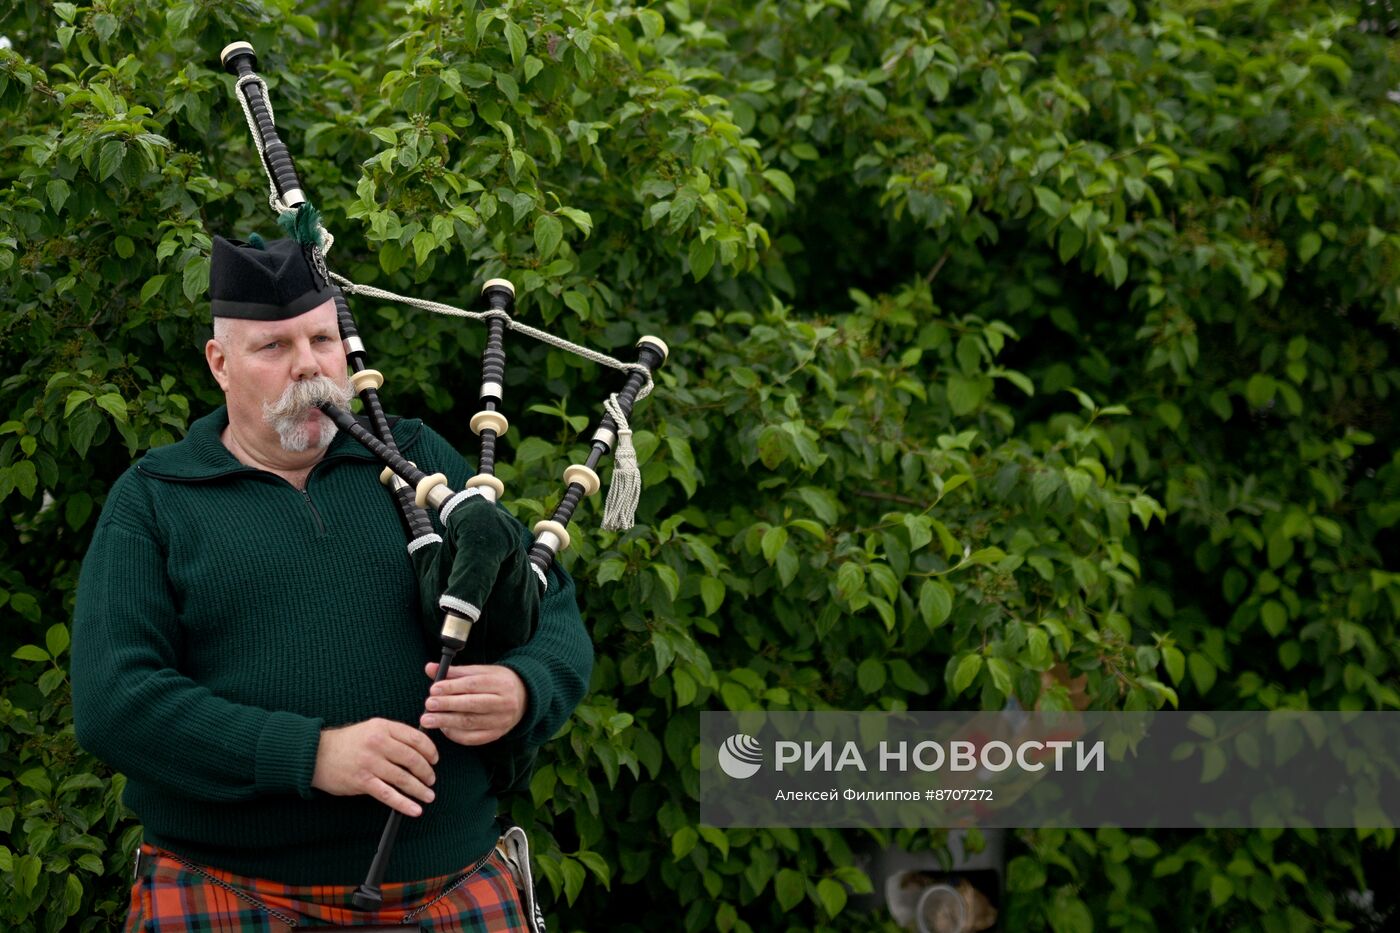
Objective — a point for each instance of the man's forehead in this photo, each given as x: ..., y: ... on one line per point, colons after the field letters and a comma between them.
x: 318, y: 319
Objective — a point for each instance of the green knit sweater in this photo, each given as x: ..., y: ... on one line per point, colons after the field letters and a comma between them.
x: 225, y: 617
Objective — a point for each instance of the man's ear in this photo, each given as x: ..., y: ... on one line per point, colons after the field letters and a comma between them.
x: 217, y: 359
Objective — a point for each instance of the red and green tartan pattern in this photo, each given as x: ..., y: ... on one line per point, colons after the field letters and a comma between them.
x: 168, y: 897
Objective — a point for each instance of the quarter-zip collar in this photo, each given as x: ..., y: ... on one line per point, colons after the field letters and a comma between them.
x: 201, y: 455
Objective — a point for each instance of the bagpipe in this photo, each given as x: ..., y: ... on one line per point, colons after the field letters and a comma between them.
x: 480, y: 575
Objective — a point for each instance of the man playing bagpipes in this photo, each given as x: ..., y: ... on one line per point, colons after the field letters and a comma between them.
x: 250, y: 641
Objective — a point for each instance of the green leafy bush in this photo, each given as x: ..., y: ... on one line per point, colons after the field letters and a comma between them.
x: 1004, y: 338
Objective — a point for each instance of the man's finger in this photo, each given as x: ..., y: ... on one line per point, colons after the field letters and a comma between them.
x: 410, y: 759
x: 404, y: 781
x: 476, y: 736
x: 415, y: 740
x: 468, y: 703
x: 386, y: 795
x: 458, y: 671
x: 462, y: 721
x: 493, y: 682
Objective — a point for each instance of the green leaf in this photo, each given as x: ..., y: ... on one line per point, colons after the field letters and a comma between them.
x: 1259, y: 390
x: 152, y: 287
x: 953, y: 482
x: 56, y: 639
x: 1308, y: 245
x: 712, y: 593
x: 23, y: 478
x: 598, y: 865
x: 27, y: 868
x: 424, y: 243
x: 1049, y: 201
x: 574, y: 877
x: 37, y: 779
x: 515, y: 38
x: 1079, y: 214
x: 832, y: 896
x: 920, y: 531
x: 702, y: 258
x: 26, y: 605
x: 935, y: 603
x: 1118, y: 269
x: 669, y: 579
x: 58, y: 194
x: 548, y: 233
x: 1038, y: 649
x: 850, y: 579
x: 1025, y: 874
x: 1068, y: 914
x: 782, y: 182
x: 653, y: 23
x: 1000, y: 672
x: 77, y: 509
x: 1339, y: 68
x: 1202, y: 671
x: 986, y: 555
x: 1175, y: 663
x: 1212, y: 763
x: 966, y: 672
x: 49, y: 680
x: 870, y: 676
x: 195, y: 278
x: 821, y: 502
x: 110, y: 159
x: 77, y: 782
x: 774, y: 539
x: 31, y: 653
x: 577, y: 301
x: 683, y: 841
x: 114, y: 405
x: 75, y: 398
x: 104, y: 24
x: 790, y: 888
x: 580, y: 219
x: 964, y: 394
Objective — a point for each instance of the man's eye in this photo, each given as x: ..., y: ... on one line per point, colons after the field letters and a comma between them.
x: 271, y: 346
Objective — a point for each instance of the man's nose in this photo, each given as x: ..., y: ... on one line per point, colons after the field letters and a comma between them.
x: 304, y: 364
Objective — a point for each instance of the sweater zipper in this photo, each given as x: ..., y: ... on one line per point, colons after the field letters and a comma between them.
x: 320, y: 525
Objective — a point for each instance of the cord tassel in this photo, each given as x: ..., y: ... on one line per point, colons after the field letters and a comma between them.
x: 625, y: 490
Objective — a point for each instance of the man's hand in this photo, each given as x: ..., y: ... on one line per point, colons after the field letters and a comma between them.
x: 391, y: 761
x: 475, y: 703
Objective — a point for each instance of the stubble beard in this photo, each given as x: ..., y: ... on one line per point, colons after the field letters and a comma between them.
x: 287, y: 415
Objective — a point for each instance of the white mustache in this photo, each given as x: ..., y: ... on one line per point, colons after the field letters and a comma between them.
x: 287, y: 415
x: 304, y: 394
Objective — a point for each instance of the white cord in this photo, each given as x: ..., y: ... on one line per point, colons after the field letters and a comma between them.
x: 273, y: 198
x: 625, y: 488
x: 279, y: 207
x: 370, y: 291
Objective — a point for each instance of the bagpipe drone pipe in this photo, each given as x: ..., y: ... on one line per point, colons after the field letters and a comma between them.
x: 477, y: 571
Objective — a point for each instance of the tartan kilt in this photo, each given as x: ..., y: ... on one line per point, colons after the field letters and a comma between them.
x: 172, y: 894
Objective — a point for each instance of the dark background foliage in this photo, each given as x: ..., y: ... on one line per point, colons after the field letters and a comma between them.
x: 1012, y: 345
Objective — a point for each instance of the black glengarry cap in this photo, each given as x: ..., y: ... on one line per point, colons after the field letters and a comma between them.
x: 260, y: 281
